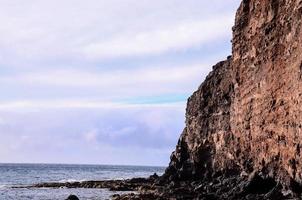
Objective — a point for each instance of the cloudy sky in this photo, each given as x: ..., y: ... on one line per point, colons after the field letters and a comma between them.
x: 103, y: 82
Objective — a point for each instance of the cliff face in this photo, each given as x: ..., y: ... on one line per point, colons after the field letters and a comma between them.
x: 266, y: 115
x: 246, y: 118
x: 208, y: 129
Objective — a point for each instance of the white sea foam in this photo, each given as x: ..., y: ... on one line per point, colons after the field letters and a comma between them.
x: 71, y: 180
x: 3, y: 186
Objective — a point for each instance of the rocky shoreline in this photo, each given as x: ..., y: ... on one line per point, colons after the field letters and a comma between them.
x: 156, y: 187
x: 243, y: 133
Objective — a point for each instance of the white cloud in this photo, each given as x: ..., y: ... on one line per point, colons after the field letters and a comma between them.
x: 178, y: 37
x: 42, y: 30
x: 81, y: 78
x: 126, y: 83
x: 2, y: 121
x: 37, y: 105
x: 69, y: 67
x: 113, y: 136
x: 91, y: 136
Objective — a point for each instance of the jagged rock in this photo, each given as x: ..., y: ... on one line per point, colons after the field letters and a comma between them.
x: 207, y: 119
x: 154, y: 177
x: 246, y: 117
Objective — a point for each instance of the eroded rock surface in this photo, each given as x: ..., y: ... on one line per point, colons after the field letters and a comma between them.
x: 246, y: 118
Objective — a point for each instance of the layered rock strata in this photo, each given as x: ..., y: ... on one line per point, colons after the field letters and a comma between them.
x: 246, y: 119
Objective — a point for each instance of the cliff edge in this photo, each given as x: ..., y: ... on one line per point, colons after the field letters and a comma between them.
x: 245, y: 120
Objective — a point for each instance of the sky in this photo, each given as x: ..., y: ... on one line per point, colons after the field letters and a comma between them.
x: 103, y: 82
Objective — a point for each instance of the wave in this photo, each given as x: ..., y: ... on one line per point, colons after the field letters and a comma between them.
x: 71, y: 180
x: 3, y: 186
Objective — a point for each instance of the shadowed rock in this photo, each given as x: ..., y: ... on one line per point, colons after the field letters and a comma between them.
x: 72, y: 197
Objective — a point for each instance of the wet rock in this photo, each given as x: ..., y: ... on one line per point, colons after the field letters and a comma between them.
x: 260, y: 185
x: 275, y: 193
x: 122, y: 187
x: 72, y: 197
x: 115, y: 196
x: 154, y: 177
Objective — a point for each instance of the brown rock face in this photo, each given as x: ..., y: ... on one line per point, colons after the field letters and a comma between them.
x: 208, y: 127
x: 247, y: 115
x: 266, y: 111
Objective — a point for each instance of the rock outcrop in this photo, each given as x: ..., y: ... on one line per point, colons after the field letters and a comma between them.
x: 243, y: 134
x: 72, y: 197
x: 245, y: 120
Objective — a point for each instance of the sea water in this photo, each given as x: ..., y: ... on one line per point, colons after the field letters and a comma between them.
x: 27, y: 174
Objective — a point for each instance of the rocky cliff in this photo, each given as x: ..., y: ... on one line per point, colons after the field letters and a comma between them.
x: 243, y: 134
x: 245, y: 120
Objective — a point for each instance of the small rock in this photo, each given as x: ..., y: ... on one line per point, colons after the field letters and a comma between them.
x: 154, y: 176
x: 72, y: 197
x: 115, y: 196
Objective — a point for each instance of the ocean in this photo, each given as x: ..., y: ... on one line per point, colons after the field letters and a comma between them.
x: 28, y: 174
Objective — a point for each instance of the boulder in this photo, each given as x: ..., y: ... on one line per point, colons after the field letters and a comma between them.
x: 72, y: 197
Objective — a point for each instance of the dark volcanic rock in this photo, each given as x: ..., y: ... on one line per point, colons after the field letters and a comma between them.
x: 72, y: 197
x: 114, y: 185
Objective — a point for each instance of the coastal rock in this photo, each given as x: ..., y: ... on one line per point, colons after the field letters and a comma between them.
x: 134, y: 184
x: 207, y: 129
x: 72, y: 197
x: 246, y: 117
x: 243, y: 133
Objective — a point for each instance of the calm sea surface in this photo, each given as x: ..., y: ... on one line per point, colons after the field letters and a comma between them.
x: 27, y: 174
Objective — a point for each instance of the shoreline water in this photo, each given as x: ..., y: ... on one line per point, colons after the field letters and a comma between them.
x: 78, y: 164
x: 29, y: 174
